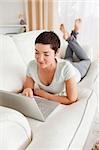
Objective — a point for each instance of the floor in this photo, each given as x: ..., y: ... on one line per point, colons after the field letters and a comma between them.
x: 93, y: 135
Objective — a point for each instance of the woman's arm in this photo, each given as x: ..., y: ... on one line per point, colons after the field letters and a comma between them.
x: 71, y: 89
x: 29, y: 83
x: 28, y: 87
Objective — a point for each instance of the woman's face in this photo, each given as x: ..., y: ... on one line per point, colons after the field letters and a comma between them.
x: 44, y: 55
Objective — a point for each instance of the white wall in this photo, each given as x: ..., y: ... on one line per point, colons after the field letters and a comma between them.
x: 9, y: 11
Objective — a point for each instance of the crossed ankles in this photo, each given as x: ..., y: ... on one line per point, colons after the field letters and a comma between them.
x: 96, y: 146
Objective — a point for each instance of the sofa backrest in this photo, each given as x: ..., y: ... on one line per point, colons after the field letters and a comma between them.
x: 12, y: 67
x: 25, y: 45
x: 15, y: 54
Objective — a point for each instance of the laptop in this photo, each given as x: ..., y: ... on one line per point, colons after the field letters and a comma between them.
x: 35, y: 107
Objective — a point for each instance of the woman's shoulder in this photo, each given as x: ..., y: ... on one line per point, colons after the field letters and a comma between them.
x: 66, y: 68
x: 63, y: 62
x: 32, y: 63
x: 32, y: 67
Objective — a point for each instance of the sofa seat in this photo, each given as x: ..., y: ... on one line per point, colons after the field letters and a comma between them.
x: 15, y: 132
x: 64, y: 126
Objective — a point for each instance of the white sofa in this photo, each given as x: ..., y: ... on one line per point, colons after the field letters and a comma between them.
x: 68, y: 126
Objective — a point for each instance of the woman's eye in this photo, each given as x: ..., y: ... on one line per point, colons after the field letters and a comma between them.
x: 46, y: 55
x: 36, y: 53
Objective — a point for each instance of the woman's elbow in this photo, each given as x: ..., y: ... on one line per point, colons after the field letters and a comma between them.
x: 72, y: 99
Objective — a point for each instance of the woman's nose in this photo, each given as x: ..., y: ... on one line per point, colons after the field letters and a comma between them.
x: 41, y: 58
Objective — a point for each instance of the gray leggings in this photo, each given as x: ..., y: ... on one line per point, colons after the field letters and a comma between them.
x: 73, y: 47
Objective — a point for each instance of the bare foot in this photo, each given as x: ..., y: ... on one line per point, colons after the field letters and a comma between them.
x: 96, y: 146
x: 64, y: 31
x: 77, y: 25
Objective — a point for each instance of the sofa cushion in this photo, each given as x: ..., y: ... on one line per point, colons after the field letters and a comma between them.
x: 12, y: 67
x: 25, y: 43
x: 15, y: 132
x: 61, y: 128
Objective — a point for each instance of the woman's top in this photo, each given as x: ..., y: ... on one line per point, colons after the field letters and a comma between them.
x: 64, y: 71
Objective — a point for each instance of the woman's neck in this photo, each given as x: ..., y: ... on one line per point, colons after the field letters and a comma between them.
x: 46, y: 75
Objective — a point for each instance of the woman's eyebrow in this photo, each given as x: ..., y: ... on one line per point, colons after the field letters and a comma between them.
x: 46, y: 52
x: 43, y: 52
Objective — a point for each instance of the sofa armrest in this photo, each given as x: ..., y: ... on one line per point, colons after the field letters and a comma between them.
x: 93, y: 73
x: 15, y: 131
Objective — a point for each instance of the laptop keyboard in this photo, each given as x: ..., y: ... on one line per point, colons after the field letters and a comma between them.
x: 46, y: 106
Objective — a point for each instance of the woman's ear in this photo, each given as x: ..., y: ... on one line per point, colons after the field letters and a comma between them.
x: 58, y: 52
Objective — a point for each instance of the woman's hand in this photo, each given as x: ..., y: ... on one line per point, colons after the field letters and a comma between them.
x: 27, y: 92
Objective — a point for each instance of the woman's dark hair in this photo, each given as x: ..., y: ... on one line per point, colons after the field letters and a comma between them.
x: 49, y: 37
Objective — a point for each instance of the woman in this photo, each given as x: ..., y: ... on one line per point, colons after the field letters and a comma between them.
x: 48, y: 76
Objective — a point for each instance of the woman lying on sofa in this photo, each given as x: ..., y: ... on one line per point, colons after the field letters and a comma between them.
x: 53, y: 78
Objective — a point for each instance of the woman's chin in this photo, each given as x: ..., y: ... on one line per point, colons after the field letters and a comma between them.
x: 42, y: 66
